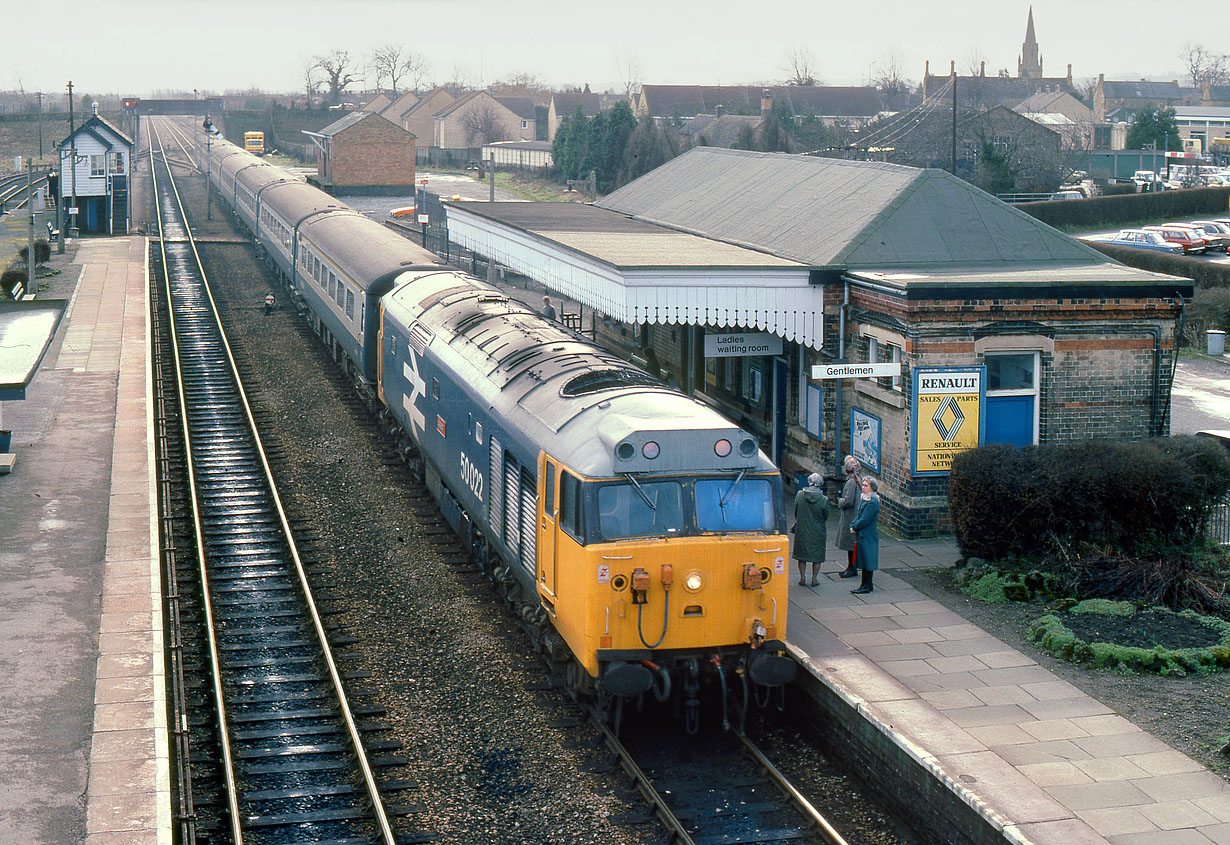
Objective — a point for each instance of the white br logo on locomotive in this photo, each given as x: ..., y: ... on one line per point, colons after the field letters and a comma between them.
x: 418, y: 388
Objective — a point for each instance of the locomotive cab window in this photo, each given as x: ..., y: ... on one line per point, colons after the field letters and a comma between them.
x: 729, y: 504
x: 648, y: 510
x: 548, y: 490
x: 571, y: 507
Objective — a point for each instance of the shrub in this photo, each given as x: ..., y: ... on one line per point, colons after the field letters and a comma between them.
x: 1105, y: 607
x: 9, y: 280
x: 1126, y: 497
x: 1056, y: 638
x: 42, y: 252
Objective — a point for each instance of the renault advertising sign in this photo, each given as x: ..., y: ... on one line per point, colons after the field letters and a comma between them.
x: 947, y: 416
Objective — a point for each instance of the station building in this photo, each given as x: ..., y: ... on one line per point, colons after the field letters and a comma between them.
x: 98, y: 177
x: 745, y: 278
x: 363, y: 153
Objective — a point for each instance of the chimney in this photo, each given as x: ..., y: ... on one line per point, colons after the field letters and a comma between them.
x: 1069, y: 73
x: 766, y: 103
x: 982, y: 68
x: 952, y: 67
x: 927, y: 70
x: 94, y: 107
x: 718, y: 109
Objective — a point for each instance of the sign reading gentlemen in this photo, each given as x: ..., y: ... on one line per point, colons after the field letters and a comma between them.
x: 947, y: 414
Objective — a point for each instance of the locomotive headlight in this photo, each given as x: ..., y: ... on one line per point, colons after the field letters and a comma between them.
x: 650, y: 450
x: 693, y: 582
x: 748, y: 447
x: 722, y: 448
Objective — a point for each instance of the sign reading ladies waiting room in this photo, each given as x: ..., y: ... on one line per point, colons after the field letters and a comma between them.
x: 947, y: 416
x: 740, y: 344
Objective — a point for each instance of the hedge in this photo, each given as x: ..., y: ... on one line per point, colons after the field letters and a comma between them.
x: 1005, y: 501
x: 1109, y: 211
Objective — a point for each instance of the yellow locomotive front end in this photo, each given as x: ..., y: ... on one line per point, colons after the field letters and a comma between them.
x: 660, y: 578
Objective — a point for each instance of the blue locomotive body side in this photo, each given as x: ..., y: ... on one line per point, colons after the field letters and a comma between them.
x: 458, y: 434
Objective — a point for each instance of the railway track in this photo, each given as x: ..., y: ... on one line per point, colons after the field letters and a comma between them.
x: 270, y: 748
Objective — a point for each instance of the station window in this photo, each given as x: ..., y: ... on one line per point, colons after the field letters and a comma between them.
x: 885, y: 353
x: 98, y: 165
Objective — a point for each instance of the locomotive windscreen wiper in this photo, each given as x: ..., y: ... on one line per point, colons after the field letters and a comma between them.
x: 636, y: 485
x: 731, y: 488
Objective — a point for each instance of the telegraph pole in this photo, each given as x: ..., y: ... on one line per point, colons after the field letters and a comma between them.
x: 40, y: 126
x: 72, y: 144
x: 30, y: 249
x: 209, y: 211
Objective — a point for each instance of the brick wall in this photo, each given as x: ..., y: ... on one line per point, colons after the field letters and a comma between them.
x: 373, y: 151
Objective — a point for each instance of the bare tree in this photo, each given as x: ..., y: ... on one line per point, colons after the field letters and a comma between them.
x: 886, y: 76
x: 801, y: 67
x: 975, y: 62
x: 1085, y: 87
x: 311, y: 82
x: 517, y: 85
x: 483, y: 124
x: 339, y: 73
x: 629, y: 74
x: 395, y: 64
x: 1203, y: 66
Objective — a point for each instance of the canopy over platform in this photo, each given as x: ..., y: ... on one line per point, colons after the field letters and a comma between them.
x: 26, y: 330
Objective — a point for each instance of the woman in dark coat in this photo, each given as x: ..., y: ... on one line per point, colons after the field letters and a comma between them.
x: 811, y: 513
x: 864, y: 525
x: 847, y: 504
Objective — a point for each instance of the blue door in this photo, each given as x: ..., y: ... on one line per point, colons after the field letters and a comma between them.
x: 1010, y: 419
x: 91, y: 215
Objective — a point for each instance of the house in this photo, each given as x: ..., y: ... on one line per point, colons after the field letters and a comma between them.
x: 708, y: 130
x: 852, y: 106
x: 377, y: 103
x: 420, y: 118
x: 564, y: 106
x: 363, y: 153
x: 523, y: 108
x: 1117, y: 101
x: 1056, y: 102
x: 98, y: 178
x: 995, y: 327
x: 397, y: 109
x: 474, y: 119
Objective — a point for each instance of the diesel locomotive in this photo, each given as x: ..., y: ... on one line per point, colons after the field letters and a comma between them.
x: 638, y: 534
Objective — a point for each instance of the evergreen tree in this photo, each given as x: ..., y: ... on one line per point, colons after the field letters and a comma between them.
x: 595, y: 146
x: 995, y: 175
x: 578, y: 141
x: 648, y: 147
x: 620, y: 124
x: 1154, y: 125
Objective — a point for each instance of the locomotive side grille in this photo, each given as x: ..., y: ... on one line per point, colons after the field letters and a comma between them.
x: 496, y: 477
x: 529, y: 521
x: 512, y: 497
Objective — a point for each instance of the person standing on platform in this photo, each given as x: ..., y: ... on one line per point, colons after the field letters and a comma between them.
x: 811, y: 514
x: 847, y: 504
x: 864, y: 525
x: 548, y: 310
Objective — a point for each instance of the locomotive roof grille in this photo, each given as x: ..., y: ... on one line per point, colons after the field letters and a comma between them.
x: 597, y: 380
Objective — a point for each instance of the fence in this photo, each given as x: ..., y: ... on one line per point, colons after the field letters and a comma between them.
x: 1219, y: 523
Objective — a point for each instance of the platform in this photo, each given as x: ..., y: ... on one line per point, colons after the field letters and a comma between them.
x: 1036, y: 757
x: 83, y: 741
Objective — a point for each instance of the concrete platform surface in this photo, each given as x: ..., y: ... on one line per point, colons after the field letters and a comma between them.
x: 83, y: 742
x: 1040, y: 760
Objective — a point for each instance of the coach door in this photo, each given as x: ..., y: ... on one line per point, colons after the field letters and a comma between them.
x: 546, y: 524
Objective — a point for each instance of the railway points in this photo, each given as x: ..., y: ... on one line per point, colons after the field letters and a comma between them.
x: 1033, y: 758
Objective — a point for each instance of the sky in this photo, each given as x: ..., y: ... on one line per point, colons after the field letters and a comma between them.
x: 150, y: 47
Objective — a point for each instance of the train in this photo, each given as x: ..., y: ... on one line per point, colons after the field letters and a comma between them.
x: 638, y: 535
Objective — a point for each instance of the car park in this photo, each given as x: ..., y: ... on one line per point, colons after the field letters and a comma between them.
x: 1218, y: 234
x: 1185, y: 236
x: 1140, y: 239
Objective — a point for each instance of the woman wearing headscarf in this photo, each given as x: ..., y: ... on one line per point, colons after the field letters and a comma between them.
x: 847, y: 504
x: 811, y: 514
x: 864, y: 525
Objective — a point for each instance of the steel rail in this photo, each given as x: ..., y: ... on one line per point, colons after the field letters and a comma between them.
x: 643, y: 783
x: 228, y: 760
x: 829, y: 833
x: 360, y: 754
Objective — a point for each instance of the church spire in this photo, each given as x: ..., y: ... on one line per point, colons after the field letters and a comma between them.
x: 1029, y: 66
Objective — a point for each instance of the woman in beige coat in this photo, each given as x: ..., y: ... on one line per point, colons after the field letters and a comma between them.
x: 847, y: 504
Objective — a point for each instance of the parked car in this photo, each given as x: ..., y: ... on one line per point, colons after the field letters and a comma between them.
x: 1218, y: 234
x: 1067, y: 195
x: 1140, y: 239
x: 1185, y: 236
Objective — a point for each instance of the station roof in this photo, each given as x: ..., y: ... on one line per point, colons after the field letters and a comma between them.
x: 26, y: 330
x: 637, y: 271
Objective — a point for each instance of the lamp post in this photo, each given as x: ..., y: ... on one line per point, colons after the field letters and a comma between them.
x: 72, y: 164
x: 209, y: 212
